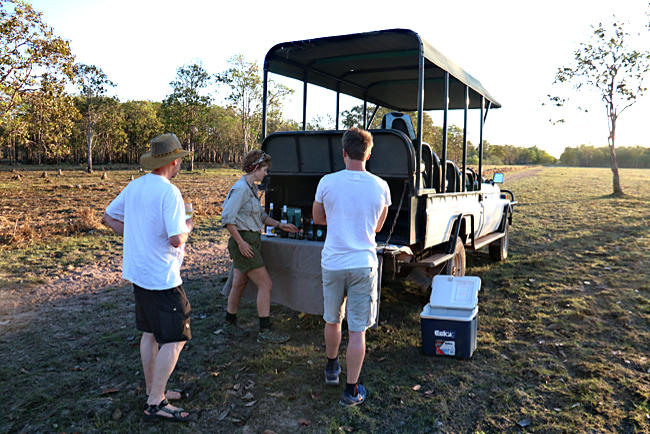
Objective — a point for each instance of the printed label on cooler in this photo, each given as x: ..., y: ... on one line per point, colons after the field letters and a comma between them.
x: 446, y: 348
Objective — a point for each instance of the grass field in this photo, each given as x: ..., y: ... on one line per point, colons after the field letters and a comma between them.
x: 563, y: 340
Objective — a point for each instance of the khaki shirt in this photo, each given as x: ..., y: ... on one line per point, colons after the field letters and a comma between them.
x: 242, y: 207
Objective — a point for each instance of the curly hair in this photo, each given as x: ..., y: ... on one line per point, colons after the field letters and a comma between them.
x: 254, y: 159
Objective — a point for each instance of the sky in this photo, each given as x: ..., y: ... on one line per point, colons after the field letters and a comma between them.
x: 512, y: 47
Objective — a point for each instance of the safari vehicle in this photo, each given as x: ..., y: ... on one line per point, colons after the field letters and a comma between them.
x: 439, y: 207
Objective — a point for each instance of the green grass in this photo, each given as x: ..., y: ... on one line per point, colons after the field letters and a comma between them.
x: 563, y: 339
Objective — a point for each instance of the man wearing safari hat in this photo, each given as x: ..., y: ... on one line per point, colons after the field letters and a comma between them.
x: 150, y: 214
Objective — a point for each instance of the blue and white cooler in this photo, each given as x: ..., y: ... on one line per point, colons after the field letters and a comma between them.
x: 449, y: 322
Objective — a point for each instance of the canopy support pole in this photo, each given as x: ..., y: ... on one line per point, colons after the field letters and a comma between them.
x: 418, y: 154
x: 265, y: 80
x: 338, y: 106
x: 372, y: 116
x: 480, y: 147
x: 365, y: 113
x: 304, y: 103
x: 445, y: 105
x: 463, y: 184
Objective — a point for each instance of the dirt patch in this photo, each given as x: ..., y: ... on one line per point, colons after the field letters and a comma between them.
x: 203, y: 258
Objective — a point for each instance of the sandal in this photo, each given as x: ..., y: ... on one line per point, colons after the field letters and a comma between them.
x: 156, y: 412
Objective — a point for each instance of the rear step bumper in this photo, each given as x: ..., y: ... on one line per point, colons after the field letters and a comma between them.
x: 484, y: 241
x: 430, y: 261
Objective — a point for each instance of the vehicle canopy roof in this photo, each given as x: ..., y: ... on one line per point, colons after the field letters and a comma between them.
x: 380, y: 67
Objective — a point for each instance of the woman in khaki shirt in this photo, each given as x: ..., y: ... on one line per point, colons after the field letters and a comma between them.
x: 244, y: 218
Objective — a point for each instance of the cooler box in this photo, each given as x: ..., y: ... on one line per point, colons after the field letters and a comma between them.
x: 449, y: 332
x: 449, y: 322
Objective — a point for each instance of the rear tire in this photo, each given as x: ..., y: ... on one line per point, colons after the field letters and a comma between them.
x: 456, y: 265
x: 499, y: 248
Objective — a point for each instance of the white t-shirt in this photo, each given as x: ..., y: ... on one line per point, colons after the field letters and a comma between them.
x: 353, y: 202
x: 152, y: 210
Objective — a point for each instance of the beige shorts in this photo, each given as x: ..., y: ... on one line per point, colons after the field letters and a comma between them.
x: 359, y: 286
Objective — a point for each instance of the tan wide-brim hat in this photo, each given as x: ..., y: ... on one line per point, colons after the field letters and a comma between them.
x: 164, y: 149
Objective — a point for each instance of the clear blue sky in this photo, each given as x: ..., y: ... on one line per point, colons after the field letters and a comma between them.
x: 512, y: 47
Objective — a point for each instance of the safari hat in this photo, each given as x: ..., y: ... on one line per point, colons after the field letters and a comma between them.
x: 164, y: 149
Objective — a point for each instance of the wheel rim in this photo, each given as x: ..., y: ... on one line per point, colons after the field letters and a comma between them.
x: 455, y: 264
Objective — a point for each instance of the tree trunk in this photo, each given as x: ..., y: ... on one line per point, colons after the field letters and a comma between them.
x: 616, y: 182
x: 190, y: 163
x: 89, y: 141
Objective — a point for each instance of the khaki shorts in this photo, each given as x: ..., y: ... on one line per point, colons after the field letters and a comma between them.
x: 359, y: 285
x: 241, y: 262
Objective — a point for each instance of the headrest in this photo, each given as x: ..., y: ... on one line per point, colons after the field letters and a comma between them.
x: 398, y: 121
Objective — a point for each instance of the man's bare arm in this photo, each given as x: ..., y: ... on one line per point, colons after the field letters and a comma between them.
x: 180, y: 239
x: 382, y: 219
x: 318, y: 213
x: 116, y: 225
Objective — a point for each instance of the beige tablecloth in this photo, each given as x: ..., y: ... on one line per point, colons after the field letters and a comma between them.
x: 294, y: 267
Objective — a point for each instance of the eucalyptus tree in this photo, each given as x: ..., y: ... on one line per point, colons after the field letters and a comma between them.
x: 186, y: 108
x: 243, y: 78
x: 245, y: 98
x: 93, y: 85
x: 28, y: 49
x: 608, y: 63
x: 276, y: 95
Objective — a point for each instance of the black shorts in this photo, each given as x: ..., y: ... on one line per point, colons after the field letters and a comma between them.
x: 165, y: 313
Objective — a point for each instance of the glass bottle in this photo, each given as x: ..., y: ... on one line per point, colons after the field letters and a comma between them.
x: 283, y: 219
x: 310, y: 230
x: 270, y: 230
x: 301, y: 229
x: 292, y: 221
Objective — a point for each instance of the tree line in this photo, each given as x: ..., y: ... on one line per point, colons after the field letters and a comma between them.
x: 636, y: 157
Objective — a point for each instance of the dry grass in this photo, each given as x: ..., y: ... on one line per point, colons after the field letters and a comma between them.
x: 34, y: 208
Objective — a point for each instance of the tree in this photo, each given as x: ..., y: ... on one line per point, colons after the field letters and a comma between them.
x: 186, y: 107
x: 608, y: 64
x: 245, y: 95
x: 245, y: 98
x: 28, y: 49
x: 93, y: 84
x: 274, y: 104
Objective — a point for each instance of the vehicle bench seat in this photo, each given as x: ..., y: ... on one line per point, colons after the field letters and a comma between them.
x: 320, y: 152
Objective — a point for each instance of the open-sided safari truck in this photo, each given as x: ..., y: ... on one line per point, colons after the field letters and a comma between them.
x: 439, y: 207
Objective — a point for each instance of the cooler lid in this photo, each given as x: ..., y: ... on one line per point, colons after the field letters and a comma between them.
x: 448, y: 314
x: 455, y: 292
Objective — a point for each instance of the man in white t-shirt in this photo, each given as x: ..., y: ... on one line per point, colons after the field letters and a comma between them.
x: 353, y: 203
x: 150, y: 214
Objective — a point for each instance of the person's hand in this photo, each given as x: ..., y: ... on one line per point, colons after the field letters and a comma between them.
x: 246, y: 249
x: 288, y: 227
x: 190, y: 224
